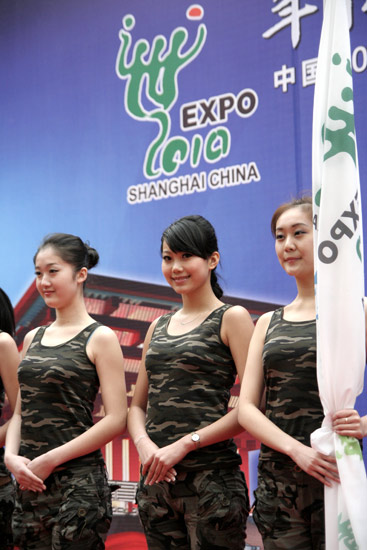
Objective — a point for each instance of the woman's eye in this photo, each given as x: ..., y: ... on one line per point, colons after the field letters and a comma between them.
x: 279, y: 237
x: 187, y: 255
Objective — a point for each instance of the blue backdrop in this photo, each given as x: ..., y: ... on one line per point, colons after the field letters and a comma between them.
x: 118, y: 117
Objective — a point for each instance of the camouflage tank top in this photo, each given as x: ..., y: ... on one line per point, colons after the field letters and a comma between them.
x: 3, y: 470
x: 190, y: 377
x: 292, y: 395
x: 58, y: 387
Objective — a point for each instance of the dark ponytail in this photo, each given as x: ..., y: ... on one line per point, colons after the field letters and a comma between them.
x: 217, y: 289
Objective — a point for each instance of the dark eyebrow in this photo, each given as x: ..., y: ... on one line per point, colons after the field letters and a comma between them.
x: 293, y: 225
x: 48, y: 265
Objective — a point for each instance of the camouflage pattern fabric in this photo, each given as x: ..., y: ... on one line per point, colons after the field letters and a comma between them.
x: 73, y: 513
x: 190, y: 377
x: 289, y: 508
x: 7, y: 494
x: 201, y: 511
x: 289, y: 503
x: 292, y: 396
x: 3, y: 470
x: 58, y: 387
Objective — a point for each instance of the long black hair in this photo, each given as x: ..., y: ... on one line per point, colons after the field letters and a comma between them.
x: 194, y: 234
x: 7, y: 323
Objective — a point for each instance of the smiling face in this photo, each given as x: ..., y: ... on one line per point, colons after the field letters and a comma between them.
x: 294, y: 242
x: 56, y: 280
x: 185, y: 272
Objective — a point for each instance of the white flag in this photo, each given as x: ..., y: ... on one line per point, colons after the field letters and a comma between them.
x: 339, y: 279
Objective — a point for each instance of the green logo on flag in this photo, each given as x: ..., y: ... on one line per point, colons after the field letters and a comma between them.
x: 318, y: 197
x: 358, y: 248
x: 351, y: 446
x: 346, y: 534
x: 341, y: 140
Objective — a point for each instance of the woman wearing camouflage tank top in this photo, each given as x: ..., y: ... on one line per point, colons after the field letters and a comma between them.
x: 289, y: 503
x: 52, y: 446
x: 192, y: 493
x: 9, y: 361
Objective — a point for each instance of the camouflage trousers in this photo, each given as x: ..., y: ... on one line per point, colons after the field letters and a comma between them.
x: 204, y: 510
x: 73, y: 513
x: 7, y: 494
x: 289, y: 508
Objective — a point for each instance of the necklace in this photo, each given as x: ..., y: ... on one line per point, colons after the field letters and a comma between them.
x: 194, y: 318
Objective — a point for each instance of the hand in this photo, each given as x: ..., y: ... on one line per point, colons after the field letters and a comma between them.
x: 27, y: 480
x: 42, y: 466
x: 146, y: 449
x: 347, y: 422
x: 163, y: 460
x: 320, y: 466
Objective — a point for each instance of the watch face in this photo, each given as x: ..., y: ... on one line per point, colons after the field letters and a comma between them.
x: 195, y: 437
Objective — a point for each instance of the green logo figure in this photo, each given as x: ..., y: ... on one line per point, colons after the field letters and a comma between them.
x: 343, y: 139
x: 152, y: 87
x: 345, y: 534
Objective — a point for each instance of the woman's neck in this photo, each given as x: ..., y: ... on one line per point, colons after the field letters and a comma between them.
x: 303, y: 307
x: 305, y: 288
x: 200, y: 301
x: 73, y: 315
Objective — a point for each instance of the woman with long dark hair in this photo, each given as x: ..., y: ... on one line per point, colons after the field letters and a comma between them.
x: 192, y: 493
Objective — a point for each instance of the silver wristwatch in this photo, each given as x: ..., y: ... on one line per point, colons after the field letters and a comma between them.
x: 195, y: 437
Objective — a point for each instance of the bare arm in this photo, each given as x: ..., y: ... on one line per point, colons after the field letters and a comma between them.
x: 137, y: 413
x: 237, y: 328
x: 138, y: 407
x: 256, y: 423
x: 9, y: 361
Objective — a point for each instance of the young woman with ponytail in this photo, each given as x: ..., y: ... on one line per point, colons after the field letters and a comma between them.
x: 52, y: 446
x: 192, y: 493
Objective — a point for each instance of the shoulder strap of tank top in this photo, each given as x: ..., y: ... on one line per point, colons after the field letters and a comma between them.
x: 38, y: 336
x: 275, y: 318
x: 88, y: 331
x: 219, y: 312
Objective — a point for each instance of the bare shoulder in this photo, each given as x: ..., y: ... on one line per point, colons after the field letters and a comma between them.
x: 28, y: 338
x: 263, y: 322
x: 237, y: 314
x: 153, y: 324
x: 150, y: 331
x: 103, y: 347
x: 237, y: 327
x: 6, y: 342
x: 8, y: 348
x: 103, y: 335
